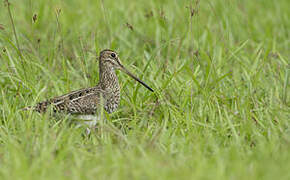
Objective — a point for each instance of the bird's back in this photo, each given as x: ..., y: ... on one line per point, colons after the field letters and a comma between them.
x: 83, y: 101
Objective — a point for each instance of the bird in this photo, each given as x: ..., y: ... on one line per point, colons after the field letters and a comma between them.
x: 85, y: 103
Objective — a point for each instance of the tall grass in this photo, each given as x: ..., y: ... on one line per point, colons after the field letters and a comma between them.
x: 220, y: 71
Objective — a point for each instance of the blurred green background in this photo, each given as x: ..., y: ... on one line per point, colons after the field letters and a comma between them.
x: 220, y: 71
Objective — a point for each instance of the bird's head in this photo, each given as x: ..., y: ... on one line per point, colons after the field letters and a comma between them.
x: 111, y: 59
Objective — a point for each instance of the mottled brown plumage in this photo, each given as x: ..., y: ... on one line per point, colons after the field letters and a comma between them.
x: 86, y: 101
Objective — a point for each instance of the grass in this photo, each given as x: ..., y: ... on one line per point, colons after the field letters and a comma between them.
x: 220, y: 71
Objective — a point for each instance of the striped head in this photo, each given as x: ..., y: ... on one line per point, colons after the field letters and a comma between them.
x: 110, y: 59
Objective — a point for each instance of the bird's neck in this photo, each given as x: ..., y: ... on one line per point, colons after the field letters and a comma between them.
x: 109, y: 83
x: 108, y: 79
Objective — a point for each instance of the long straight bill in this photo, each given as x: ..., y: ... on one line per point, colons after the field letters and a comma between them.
x: 137, y: 79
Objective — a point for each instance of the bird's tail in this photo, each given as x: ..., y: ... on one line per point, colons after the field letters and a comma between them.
x: 28, y: 108
x: 40, y: 107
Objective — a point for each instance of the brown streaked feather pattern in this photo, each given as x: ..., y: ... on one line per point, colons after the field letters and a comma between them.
x: 83, y: 101
x: 86, y: 101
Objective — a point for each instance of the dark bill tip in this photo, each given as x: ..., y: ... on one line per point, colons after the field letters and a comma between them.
x: 137, y: 79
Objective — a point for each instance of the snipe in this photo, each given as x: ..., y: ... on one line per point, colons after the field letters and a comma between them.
x: 85, y: 102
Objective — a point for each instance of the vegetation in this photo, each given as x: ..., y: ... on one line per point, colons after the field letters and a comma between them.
x: 220, y: 71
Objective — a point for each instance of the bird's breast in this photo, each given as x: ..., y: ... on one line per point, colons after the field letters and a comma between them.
x: 112, y: 102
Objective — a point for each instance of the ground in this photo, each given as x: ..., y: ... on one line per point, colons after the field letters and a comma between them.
x: 220, y: 71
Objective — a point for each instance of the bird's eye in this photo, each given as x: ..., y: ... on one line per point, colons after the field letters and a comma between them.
x: 113, y: 55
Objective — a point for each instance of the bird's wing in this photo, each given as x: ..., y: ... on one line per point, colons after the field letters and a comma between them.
x: 83, y: 101
x: 86, y: 104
